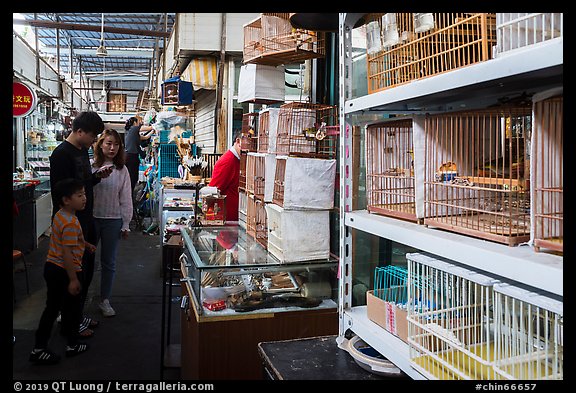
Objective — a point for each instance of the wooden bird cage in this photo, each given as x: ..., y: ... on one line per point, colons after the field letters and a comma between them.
x: 267, y: 130
x: 529, y: 335
x: 390, y: 169
x: 278, y: 195
x: 307, y: 130
x: 256, y: 223
x: 419, y: 45
x: 548, y: 167
x: 522, y: 29
x: 449, y: 320
x: 249, y: 137
x: 242, y: 208
x: 242, y: 176
x: 477, y: 173
x: 255, y: 174
x: 271, y: 40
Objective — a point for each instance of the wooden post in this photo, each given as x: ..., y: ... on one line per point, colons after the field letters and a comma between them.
x: 220, y: 85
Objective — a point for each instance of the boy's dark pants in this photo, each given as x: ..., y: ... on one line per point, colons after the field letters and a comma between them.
x: 59, y: 300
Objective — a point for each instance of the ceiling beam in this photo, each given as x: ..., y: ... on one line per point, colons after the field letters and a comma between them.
x: 82, y: 27
x: 135, y: 54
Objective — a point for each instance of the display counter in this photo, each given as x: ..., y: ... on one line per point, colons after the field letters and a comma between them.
x: 236, y: 295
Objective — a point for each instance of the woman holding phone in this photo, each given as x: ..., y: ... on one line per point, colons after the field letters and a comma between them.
x: 112, y: 209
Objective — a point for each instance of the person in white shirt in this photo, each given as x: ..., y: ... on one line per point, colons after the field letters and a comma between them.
x: 112, y: 209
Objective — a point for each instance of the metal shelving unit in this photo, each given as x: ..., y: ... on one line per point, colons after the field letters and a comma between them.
x: 531, y: 69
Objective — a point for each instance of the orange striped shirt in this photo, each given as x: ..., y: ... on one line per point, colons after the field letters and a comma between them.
x: 66, y: 232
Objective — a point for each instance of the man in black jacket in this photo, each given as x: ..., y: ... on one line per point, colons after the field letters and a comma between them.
x: 70, y: 160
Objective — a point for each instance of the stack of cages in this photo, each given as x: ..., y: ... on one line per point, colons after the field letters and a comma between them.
x: 477, y: 171
x: 267, y: 134
x: 271, y: 40
x: 529, y: 331
x: 249, y: 137
x: 390, y: 185
x: 519, y: 30
x: 547, y: 176
x: 307, y: 130
x: 402, y: 47
x: 242, y: 175
x: 449, y: 320
x: 256, y: 225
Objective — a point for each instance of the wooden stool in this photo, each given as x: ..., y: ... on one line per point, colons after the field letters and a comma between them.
x: 17, y: 255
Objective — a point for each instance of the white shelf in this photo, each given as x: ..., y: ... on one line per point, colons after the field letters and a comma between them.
x: 390, y: 346
x: 521, y: 263
x: 529, y: 69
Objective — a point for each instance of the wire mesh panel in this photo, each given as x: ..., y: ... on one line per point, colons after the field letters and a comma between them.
x: 521, y: 29
x: 272, y: 40
x: 256, y: 223
x: 307, y: 130
x: 249, y: 138
x: 390, y: 169
x: 391, y: 284
x: 211, y: 159
x: 477, y: 173
x: 449, y: 320
x: 419, y: 45
x: 255, y: 174
x: 278, y: 196
x: 548, y: 166
x: 529, y: 332
x: 242, y: 175
x: 267, y: 130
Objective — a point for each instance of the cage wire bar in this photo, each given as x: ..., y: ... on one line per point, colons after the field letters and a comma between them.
x: 256, y: 222
x: 267, y: 130
x: 391, y: 284
x: 415, y: 46
x: 307, y: 130
x: 449, y: 319
x: 548, y: 164
x: 278, y: 195
x: 249, y: 137
x: 242, y: 208
x: 390, y: 169
x: 242, y: 175
x: 529, y: 332
x: 477, y: 173
x: 521, y: 29
x: 271, y: 40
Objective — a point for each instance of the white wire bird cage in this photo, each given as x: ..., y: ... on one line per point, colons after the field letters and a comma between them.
x: 449, y: 319
x: 522, y: 29
x: 529, y: 334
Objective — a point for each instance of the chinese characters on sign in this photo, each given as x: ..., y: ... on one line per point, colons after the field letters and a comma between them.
x: 23, y: 99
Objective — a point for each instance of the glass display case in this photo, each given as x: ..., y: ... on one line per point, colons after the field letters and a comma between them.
x: 177, y: 210
x: 230, y: 273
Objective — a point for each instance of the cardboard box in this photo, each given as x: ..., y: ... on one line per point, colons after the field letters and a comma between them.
x: 387, y: 315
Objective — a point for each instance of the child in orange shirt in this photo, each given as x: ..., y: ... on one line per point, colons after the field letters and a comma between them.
x: 63, y: 274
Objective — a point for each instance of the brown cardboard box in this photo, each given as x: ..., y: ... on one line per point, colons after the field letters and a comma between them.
x: 387, y: 315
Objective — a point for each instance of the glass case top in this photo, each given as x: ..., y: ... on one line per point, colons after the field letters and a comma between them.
x: 220, y: 246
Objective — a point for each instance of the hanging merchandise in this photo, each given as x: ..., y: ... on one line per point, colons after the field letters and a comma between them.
x: 373, y: 38
x: 423, y: 22
x: 261, y: 84
x: 177, y: 92
x: 390, y: 35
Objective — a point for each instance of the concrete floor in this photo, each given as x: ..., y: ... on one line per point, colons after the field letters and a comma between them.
x: 124, y: 347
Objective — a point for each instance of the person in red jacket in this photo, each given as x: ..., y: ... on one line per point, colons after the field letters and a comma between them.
x: 225, y: 177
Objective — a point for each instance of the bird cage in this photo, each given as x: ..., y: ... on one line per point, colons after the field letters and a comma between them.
x: 271, y: 40
x: 255, y: 174
x: 449, y: 319
x: 307, y: 130
x: 390, y: 169
x: 256, y: 223
x: 391, y: 284
x: 304, y: 183
x: 477, y: 173
x: 213, y: 210
x: 242, y: 208
x: 521, y: 29
x: 249, y: 137
x: 242, y: 175
x: 267, y: 130
x: 548, y: 168
x: 529, y: 334
x: 418, y: 45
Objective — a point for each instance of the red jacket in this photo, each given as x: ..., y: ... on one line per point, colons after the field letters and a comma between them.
x: 225, y: 177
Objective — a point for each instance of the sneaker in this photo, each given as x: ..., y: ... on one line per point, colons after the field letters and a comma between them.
x: 76, y: 349
x: 106, y: 308
x: 43, y: 356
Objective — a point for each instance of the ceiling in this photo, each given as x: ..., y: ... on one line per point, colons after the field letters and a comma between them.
x: 131, y: 39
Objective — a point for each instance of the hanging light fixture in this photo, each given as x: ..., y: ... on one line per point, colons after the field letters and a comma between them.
x: 101, y: 51
x: 103, y: 92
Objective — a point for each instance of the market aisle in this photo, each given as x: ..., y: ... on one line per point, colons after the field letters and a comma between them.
x: 126, y: 346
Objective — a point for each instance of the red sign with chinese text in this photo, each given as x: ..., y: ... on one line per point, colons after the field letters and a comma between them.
x: 23, y: 99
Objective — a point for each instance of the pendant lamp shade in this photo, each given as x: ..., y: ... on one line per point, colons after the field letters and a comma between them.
x: 101, y: 51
